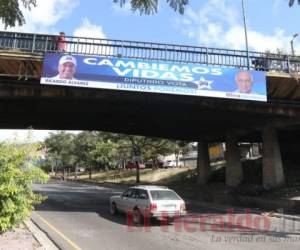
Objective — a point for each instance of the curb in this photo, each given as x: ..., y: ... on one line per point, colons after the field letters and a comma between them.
x: 221, y: 207
x: 40, y: 236
x: 101, y: 184
x: 286, y: 216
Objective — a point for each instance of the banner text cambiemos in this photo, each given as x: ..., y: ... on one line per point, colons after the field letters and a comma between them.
x: 153, y: 76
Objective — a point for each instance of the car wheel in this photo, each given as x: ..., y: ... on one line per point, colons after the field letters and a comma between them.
x: 137, y: 217
x: 113, y: 208
x: 170, y: 220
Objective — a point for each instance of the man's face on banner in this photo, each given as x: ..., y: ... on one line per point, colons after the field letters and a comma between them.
x: 244, y: 82
x: 66, y: 70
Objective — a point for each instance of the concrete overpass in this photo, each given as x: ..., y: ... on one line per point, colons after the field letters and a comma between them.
x: 26, y: 103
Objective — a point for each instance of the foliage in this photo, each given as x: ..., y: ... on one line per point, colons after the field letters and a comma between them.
x: 181, y: 148
x: 123, y: 152
x: 10, y: 12
x: 47, y: 165
x: 147, y: 147
x: 102, y: 150
x: 17, y: 175
x: 150, y: 6
x: 151, y: 148
x: 87, y: 149
x: 291, y: 2
x: 105, y: 154
x: 84, y: 143
x: 59, y: 148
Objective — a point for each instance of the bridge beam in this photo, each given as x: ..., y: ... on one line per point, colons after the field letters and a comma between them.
x: 273, y: 174
x: 203, y: 163
x: 234, y: 171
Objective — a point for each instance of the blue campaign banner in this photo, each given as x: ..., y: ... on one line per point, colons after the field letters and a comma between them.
x: 153, y: 76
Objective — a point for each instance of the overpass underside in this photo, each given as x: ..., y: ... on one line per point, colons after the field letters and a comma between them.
x: 26, y: 103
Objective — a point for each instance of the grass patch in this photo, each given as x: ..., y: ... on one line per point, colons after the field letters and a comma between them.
x: 147, y: 176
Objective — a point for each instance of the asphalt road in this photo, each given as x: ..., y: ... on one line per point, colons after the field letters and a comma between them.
x: 76, y: 216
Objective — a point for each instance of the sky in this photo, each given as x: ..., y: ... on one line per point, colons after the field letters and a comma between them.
x: 212, y: 23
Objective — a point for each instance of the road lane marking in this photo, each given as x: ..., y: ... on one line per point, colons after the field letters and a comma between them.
x: 73, y: 244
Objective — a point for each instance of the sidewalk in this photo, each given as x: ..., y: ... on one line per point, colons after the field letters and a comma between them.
x: 224, y: 209
x: 26, y: 237
x: 220, y: 199
x: 19, y: 239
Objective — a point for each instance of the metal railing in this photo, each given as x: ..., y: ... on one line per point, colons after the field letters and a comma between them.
x: 40, y: 43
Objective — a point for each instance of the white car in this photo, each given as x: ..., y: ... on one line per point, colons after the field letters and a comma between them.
x: 172, y: 164
x: 153, y: 201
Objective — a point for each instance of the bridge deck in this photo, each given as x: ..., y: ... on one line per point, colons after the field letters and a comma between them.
x: 20, y: 64
x: 25, y: 102
x: 41, y: 43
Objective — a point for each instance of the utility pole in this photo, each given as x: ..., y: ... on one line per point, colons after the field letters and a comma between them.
x: 246, y: 35
x: 292, y: 44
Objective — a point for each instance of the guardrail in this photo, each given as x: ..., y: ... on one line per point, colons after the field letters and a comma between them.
x: 40, y: 43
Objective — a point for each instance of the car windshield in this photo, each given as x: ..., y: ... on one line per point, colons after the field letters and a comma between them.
x: 164, y: 195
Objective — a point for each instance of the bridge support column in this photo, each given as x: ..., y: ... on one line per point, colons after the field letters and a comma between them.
x: 273, y: 174
x: 234, y: 171
x: 203, y: 163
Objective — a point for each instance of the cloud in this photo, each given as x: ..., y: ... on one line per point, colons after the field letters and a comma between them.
x: 235, y: 38
x: 224, y: 29
x: 47, y: 13
x: 89, y: 43
x: 86, y: 29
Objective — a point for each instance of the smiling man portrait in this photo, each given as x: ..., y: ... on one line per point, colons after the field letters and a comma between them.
x: 66, y: 68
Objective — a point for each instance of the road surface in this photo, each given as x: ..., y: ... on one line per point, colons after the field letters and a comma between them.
x: 76, y: 216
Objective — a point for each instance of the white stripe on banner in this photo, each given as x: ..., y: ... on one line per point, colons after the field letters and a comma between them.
x: 152, y: 89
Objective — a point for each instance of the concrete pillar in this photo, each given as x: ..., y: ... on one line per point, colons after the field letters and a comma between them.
x: 203, y: 163
x: 234, y: 171
x: 273, y: 175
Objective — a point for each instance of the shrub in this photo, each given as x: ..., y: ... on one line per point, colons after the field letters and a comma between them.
x: 17, y: 175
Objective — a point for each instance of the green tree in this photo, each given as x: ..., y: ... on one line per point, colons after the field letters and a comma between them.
x: 10, y: 12
x: 134, y: 144
x: 156, y: 148
x: 105, y: 154
x: 84, y: 145
x: 17, y: 175
x: 123, y: 152
x: 181, y: 148
x: 59, y: 148
x: 148, y: 148
x: 150, y: 6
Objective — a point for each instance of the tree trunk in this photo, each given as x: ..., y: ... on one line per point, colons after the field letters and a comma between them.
x: 137, y: 172
x: 155, y: 163
x: 76, y: 169
x: 90, y: 172
x: 65, y: 175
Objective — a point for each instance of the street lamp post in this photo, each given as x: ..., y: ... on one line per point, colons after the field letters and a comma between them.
x: 292, y: 44
x: 246, y: 35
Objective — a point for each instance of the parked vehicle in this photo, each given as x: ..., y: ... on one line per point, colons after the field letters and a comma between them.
x: 132, y: 165
x: 172, y: 164
x: 153, y: 201
x: 150, y: 164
